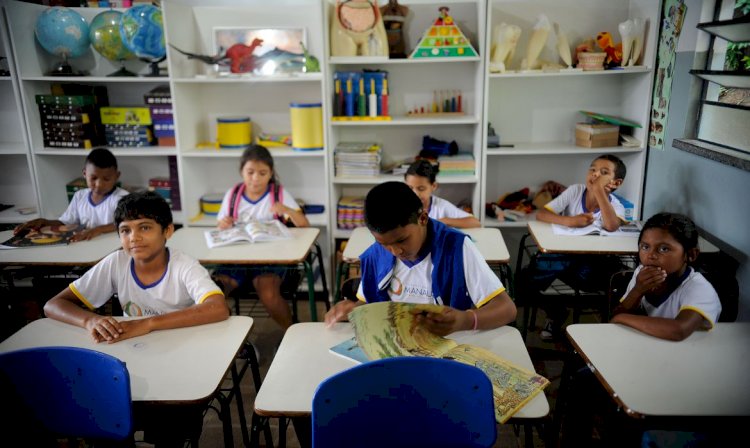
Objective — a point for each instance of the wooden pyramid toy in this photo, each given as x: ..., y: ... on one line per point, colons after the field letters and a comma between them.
x: 443, y: 39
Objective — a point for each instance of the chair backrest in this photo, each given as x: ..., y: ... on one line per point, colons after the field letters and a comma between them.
x: 69, y: 392
x: 405, y: 402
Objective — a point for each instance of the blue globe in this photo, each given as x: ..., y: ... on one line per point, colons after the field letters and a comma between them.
x: 62, y: 32
x: 142, y: 32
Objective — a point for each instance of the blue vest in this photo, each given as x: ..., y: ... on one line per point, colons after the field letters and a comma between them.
x: 448, y: 280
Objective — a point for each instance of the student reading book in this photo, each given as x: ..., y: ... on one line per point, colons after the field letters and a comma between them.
x: 252, y: 232
x: 388, y: 329
x: 53, y: 235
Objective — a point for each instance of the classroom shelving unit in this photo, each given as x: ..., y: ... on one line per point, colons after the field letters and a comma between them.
x: 17, y: 186
x: 55, y: 167
x: 411, y: 82
x: 536, y: 111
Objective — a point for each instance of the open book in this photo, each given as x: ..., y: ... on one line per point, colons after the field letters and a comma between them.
x: 45, y: 236
x: 350, y: 350
x: 387, y: 329
x: 251, y: 232
x: 632, y: 228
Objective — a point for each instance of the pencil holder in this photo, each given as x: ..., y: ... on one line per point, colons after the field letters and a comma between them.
x: 233, y: 132
x: 307, y: 126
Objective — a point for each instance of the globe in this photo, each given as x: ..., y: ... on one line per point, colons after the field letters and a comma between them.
x: 105, y: 36
x: 142, y: 32
x: 62, y: 32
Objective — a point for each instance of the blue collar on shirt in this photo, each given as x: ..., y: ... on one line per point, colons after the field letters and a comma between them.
x: 657, y: 300
x: 583, y: 200
x: 244, y: 196
x: 105, y: 197
x: 138, y: 281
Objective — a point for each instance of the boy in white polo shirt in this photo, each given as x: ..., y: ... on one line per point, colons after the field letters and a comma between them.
x: 91, y: 207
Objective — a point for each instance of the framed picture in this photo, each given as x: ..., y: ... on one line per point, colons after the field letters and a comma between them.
x: 261, y: 51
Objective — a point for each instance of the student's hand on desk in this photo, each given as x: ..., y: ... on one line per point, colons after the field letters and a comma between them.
x: 84, y: 235
x: 582, y: 220
x: 446, y: 322
x: 339, y: 312
x: 225, y: 223
x: 105, y: 329
x: 30, y: 225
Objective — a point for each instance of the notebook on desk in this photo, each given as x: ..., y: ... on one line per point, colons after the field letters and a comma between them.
x: 349, y: 350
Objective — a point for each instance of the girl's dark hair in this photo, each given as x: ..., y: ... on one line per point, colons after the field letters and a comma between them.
x: 390, y: 205
x: 144, y: 204
x: 258, y: 153
x: 679, y: 226
x: 423, y: 168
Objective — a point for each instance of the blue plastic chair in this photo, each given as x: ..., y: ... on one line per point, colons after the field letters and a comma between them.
x: 69, y: 392
x: 405, y: 402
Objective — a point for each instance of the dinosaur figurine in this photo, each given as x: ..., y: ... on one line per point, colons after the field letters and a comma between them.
x: 614, y: 52
x: 312, y: 64
x: 239, y: 57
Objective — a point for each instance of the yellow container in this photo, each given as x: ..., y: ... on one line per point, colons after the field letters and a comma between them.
x: 233, y: 132
x: 211, y: 203
x: 307, y: 126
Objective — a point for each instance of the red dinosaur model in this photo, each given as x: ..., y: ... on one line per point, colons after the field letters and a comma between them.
x: 239, y: 57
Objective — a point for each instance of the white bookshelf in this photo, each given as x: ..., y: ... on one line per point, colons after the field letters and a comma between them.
x: 536, y: 111
x: 55, y: 167
x: 17, y: 184
x: 411, y: 82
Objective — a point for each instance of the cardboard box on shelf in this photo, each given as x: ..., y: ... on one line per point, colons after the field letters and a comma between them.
x: 591, y: 135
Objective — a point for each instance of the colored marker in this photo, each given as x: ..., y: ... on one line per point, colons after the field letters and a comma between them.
x: 361, y: 107
x: 384, y: 99
x: 373, y: 103
x: 349, y: 98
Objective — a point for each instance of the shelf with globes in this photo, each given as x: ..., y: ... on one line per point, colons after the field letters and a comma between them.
x: 75, y: 51
x: 17, y: 187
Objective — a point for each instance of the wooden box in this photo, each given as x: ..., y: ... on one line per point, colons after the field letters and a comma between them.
x: 597, y: 135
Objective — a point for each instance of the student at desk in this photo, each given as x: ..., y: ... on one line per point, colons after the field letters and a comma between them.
x: 579, y: 205
x: 261, y: 197
x: 92, y: 207
x: 168, y: 287
x: 417, y: 259
x: 675, y: 299
x: 421, y: 177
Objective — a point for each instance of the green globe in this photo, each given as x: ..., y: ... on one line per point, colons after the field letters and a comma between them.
x: 104, y: 33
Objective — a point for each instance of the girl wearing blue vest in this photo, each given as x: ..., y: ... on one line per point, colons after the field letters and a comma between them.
x: 417, y: 259
x: 259, y: 197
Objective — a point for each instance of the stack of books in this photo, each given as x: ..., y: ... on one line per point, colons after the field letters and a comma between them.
x: 159, y: 102
x: 357, y: 159
x: 68, y: 121
x: 127, y: 127
x: 351, y: 212
x: 461, y: 164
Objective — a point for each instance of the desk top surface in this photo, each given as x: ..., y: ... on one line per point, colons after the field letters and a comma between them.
x: 192, y: 241
x: 549, y: 242
x: 81, y: 253
x: 704, y: 375
x: 303, y: 361
x: 489, y: 241
x: 182, y: 365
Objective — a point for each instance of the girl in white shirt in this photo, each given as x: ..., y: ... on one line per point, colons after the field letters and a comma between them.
x: 666, y: 298
x: 420, y: 177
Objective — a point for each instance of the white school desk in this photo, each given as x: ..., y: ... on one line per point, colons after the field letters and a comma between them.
x: 81, y: 253
x: 179, y: 366
x: 291, y: 252
x: 705, y: 375
x: 303, y: 361
x: 489, y: 241
x: 549, y: 242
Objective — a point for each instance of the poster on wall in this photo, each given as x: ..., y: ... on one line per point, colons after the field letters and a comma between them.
x: 671, y: 26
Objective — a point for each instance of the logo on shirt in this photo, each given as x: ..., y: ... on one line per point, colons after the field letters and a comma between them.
x: 396, y: 287
x: 132, y: 309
